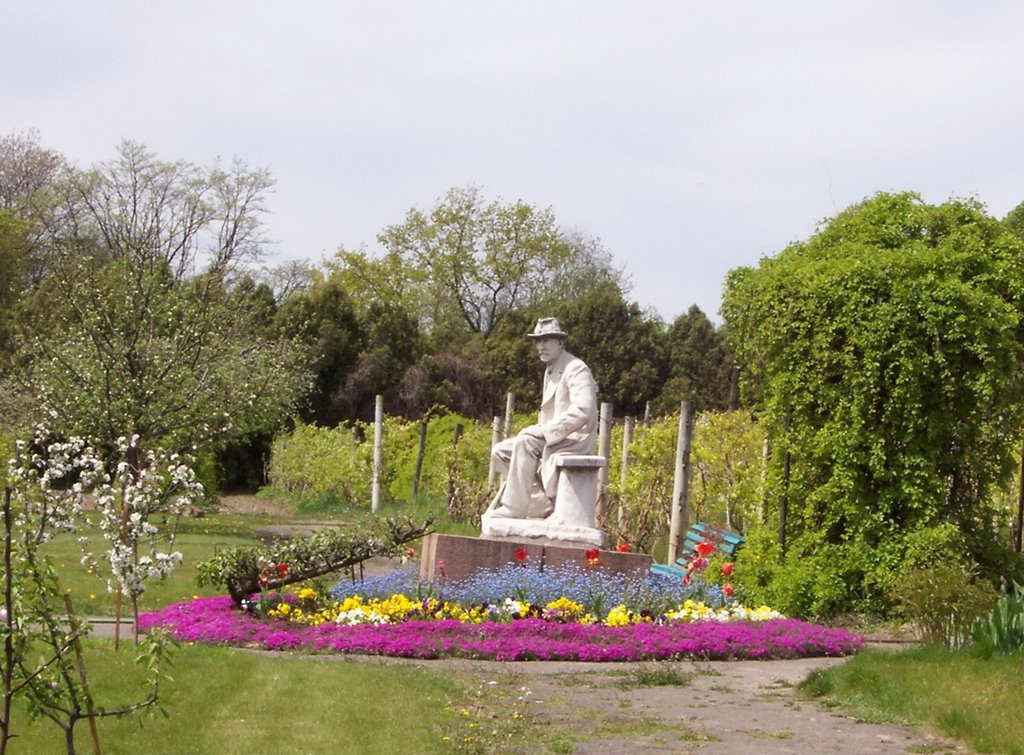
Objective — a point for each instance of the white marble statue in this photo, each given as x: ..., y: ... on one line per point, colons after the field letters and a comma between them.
x: 567, y: 424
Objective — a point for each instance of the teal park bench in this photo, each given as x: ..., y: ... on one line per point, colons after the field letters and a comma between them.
x: 726, y: 544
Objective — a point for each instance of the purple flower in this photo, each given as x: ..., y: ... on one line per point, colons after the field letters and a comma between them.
x: 215, y: 620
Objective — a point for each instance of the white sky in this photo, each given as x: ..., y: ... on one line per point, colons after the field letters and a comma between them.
x: 691, y: 138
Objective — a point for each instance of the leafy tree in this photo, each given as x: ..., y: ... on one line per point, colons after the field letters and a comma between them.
x: 623, y: 346
x: 135, y: 329
x: 13, y: 275
x: 324, y: 318
x: 700, y: 364
x: 1015, y: 221
x: 465, y: 264
x: 30, y: 181
x: 887, y: 352
x: 393, y: 344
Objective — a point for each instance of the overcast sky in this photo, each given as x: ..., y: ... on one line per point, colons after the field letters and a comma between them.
x: 691, y: 138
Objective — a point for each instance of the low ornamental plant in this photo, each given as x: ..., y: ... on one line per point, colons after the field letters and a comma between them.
x: 216, y: 620
x: 573, y: 612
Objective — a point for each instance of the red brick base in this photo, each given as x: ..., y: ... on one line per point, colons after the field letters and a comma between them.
x: 463, y: 555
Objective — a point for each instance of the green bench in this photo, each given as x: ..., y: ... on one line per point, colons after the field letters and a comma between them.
x: 726, y: 544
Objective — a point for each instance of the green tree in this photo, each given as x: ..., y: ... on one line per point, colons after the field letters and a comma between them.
x: 700, y: 364
x: 31, y: 177
x: 13, y: 275
x: 623, y: 346
x: 135, y: 328
x: 1015, y: 221
x: 324, y: 318
x: 461, y: 267
x: 887, y: 353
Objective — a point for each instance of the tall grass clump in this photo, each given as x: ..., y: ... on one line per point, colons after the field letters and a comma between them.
x: 1002, y: 630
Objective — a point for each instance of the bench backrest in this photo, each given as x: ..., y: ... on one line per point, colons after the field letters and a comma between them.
x: 725, y: 542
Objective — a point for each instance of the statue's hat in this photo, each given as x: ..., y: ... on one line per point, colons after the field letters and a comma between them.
x: 548, y: 327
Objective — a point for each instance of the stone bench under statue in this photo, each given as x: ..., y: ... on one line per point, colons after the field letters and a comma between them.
x: 574, y: 518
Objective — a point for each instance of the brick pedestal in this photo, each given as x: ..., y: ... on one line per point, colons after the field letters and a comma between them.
x: 463, y: 555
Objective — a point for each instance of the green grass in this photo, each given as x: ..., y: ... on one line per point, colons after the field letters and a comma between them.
x: 199, y: 539
x: 953, y: 693
x: 331, y: 507
x: 225, y: 701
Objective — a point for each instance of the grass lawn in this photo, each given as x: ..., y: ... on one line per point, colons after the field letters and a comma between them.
x: 953, y: 693
x: 222, y: 700
x: 198, y: 539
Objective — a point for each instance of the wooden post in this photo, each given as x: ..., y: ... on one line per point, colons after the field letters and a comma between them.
x: 762, y: 501
x: 734, y: 388
x: 456, y: 436
x: 378, y: 451
x: 421, y: 450
x: 492, y: 473
x: 784, y: 503
x: 627, y: 441
x: 680, y: 520
x: 604, y: 448
x: 80, y: 662
x: 647, y: 413
x: 510, y: 410
x: 1020, y: 510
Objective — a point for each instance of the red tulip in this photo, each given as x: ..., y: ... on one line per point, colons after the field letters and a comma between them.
x: 727, y: 569
x: 727, y: 589
x: 705, y: 547
x: 622, y: 548
x: 687, y: 580
x: 520, y: 554
x: 593, y: 554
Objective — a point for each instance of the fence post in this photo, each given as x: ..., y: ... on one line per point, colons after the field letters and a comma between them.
x: 784, y: 502
x: 627, y: 441
x: 762, y: 499
x: 421, y: 450
x: 492, y: 473
x: 378, y: 451
x: 681, y: 487
x: 510, y: 410
x: 1020, y: 510
x: 604, y: 448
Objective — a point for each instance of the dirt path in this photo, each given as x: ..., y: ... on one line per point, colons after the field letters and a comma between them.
x: 714, y: 707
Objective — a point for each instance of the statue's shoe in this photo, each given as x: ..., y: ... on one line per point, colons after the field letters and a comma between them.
x: 502, y: 512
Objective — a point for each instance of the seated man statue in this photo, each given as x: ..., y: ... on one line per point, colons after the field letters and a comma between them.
x: 567, y: 424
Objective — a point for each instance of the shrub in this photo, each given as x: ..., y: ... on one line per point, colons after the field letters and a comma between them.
x: 943, y: 601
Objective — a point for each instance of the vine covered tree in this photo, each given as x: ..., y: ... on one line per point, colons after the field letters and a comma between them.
x: 886, y: 355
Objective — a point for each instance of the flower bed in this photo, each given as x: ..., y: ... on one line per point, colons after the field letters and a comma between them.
x: 216, y: 620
